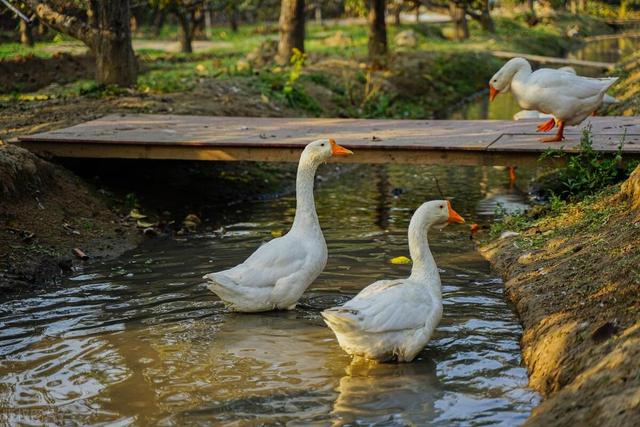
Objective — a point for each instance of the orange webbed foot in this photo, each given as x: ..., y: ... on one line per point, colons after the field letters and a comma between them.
x: 554, y: 138
x: 547, y: 126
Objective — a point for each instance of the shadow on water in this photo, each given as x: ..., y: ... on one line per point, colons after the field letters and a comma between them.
x: 141, y: 340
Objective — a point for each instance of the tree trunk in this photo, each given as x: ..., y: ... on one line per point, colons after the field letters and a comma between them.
x: 396, y: 15
x: 530, y: 7
x: 417, y: 3
x: 233, y: 18
x: 377, y: 32
x: 185, y: 32
x: 459, y: 17
x: 115, y: 61
x: 291, y: 29
x: 158, y: 22
x: 26, y: 33
x: 107, y: 33
x: 582, y: 5
x: 485, y: 18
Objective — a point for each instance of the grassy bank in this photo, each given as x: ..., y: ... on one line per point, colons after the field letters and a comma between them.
x: 572, y: 272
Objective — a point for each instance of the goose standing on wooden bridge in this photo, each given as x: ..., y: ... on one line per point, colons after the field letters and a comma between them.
x: 278, y: 272
x: 569, y: 98
x: 394, y: 319
x: 532, y: 114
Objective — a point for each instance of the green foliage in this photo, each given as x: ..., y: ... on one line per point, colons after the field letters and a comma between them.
x: 588, y: 171
x: 355, y: 8
x: 297, y: 62
x: 556, y: 203
x: 514, y: 222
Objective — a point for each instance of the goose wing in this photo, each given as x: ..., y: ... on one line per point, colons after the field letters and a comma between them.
x: 384, y: 306
x: 567, y: 84
x: 272, y: 261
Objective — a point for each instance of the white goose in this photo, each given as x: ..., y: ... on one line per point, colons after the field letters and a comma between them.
x: 532, y: 114
x: 394, y: 319
x: 275, y: 276
x: 569, y: 98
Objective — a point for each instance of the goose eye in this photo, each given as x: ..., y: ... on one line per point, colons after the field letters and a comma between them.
x: 322, y: 145
x: 441, y: 206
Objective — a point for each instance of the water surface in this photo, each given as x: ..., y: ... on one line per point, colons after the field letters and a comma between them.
x: 140, y: 340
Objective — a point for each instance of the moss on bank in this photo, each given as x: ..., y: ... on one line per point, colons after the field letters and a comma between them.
x: 574, y: 277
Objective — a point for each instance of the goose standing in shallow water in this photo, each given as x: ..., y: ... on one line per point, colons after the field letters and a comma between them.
x: 278, y: 272
x: 394, y: 319
x: 569, y: 98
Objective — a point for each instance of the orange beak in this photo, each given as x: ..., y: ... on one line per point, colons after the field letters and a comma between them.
x: 338, y: 150
x: 493, y: 92
x: 454, y: 216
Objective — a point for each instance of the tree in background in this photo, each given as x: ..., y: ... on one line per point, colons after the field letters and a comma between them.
x: 26, y: 33
x: 377, y: 32
x: 458, y: 13
x: 291, y: 26
x: 484, y: 15
x: 104, y: 29
x: 190, y: 16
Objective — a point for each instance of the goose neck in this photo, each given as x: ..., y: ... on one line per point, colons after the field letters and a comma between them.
x: 306, y: 216
x: 424, y: 267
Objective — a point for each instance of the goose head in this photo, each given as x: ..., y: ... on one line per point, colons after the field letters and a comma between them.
x: 437, y: 213
x: 501, y: 81
x: 321, y: 150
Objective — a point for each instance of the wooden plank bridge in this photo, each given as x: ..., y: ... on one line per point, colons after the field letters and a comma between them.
x: 465, y: 142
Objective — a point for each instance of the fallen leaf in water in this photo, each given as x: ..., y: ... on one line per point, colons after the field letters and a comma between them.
x: 135, y: 214
x: 400, y: 260
x: 276, y: 233
x: 145, y: 224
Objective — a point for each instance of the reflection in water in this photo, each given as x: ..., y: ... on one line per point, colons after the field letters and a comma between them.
x: 608, y: 50
x: 140, y: 340
x: 405, y: 394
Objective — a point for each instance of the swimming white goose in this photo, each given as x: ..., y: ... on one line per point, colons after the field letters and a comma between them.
x: 394, y: 319
x: 568, y: 97
x: 275, y: 276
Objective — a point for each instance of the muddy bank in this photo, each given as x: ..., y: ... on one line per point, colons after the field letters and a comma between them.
x: 574, y: 278
x: 28, y: 73
x: 46, y: 212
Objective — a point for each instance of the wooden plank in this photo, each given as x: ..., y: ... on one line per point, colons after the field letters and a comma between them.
x: 552, y: 60
x: 232, y: 131
x: 466, y: 142
x: 283, y: 154
x: 531, y: 144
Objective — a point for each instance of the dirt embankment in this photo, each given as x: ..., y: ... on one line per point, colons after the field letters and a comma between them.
x: 45, y: 213
x: 575, y: 281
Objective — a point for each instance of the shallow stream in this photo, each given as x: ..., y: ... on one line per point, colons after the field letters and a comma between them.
x: 140, y: 339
